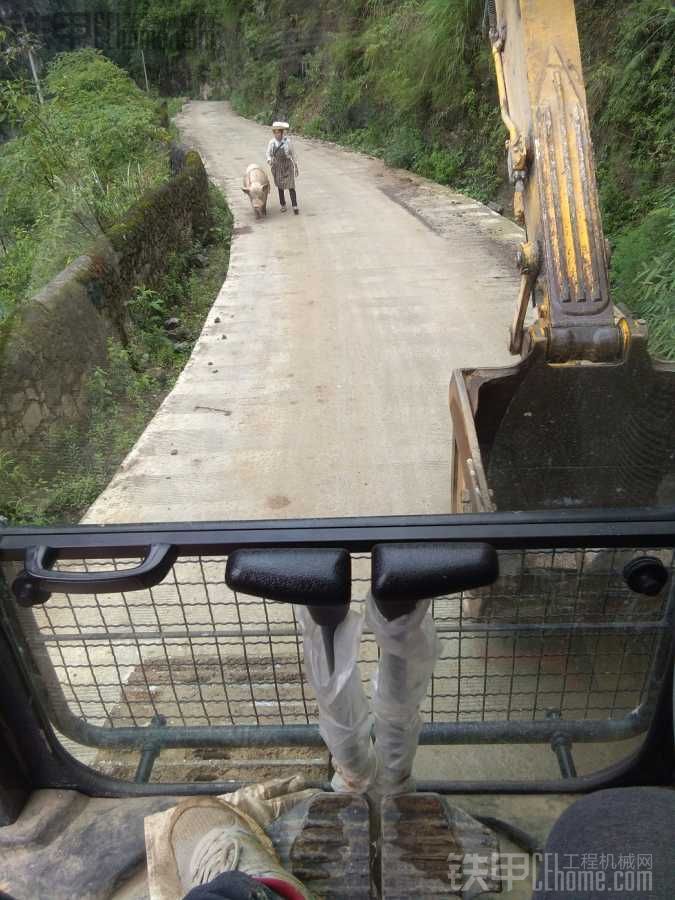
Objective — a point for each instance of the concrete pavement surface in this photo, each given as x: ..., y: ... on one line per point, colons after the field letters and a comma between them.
x: 319, y: 384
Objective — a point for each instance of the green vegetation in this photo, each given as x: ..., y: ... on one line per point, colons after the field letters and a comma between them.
x: 629, y: 59
x: 77, y: 163
x: 644, y: 273
x: 74, y: 464
x: 73, y: 169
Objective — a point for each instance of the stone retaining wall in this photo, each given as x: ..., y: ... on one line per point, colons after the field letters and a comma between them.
x: 56, y: 340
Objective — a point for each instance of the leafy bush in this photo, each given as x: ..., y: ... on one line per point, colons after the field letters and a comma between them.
x: 368, y: 140
x: 341, y: 109
x: 444, y: 166
x: 631, y: 101
x: 643, y: 274
x: 317, y: 128
x: 403, y: 147
x: 16, y: 268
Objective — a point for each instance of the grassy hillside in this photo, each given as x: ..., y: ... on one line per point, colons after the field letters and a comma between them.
x: 629, y: 61
x: 74, y: 168
x: 77, y: 163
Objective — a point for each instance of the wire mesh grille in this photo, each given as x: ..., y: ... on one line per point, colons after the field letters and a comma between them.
x: 558, y: 632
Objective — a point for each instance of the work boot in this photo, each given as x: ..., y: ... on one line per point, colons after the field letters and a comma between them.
x: 208, y: 837
x: 284, y: 208
x: 296, y: 210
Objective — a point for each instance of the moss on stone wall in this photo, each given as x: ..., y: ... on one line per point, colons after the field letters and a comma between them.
x: 55, y: 341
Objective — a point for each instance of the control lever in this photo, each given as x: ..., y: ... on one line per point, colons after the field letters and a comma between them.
x: 405, y: 577
x: 405, y: 574
x: 319, y: 579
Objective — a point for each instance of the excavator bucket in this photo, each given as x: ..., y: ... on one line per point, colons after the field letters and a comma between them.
x: 585, y: 419
x: 545, y: 436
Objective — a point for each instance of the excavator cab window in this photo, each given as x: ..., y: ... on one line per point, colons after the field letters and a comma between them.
x: 340, y: 493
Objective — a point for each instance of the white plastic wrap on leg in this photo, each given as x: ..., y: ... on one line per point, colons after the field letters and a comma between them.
x: 409, y: 649
x: 345, y: 721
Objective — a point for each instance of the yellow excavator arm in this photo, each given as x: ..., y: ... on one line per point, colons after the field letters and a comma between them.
x: 564, y: 260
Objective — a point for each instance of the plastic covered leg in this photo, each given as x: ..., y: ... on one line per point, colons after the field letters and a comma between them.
x: 344, y: 716
x: 408, y: 652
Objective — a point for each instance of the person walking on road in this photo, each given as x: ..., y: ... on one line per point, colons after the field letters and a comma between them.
x: 281, y: 159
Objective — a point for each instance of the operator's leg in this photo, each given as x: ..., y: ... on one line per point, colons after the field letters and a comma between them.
x: 294, y: 199
x: 622, y: 837
x: 232, y: 886
x: 282, y: 198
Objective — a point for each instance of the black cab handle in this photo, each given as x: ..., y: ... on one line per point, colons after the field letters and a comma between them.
x: 35, y: 583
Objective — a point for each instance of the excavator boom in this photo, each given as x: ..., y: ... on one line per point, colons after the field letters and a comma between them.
x: 535, y: 48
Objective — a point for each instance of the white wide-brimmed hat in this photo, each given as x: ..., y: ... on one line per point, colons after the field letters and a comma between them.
x: 282, y: 125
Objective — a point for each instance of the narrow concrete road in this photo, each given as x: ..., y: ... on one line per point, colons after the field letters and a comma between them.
x: 319, y: 384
